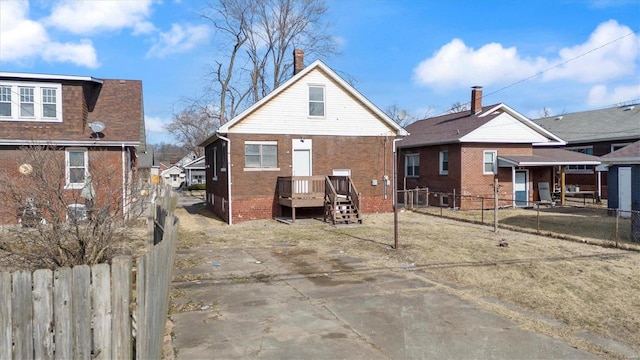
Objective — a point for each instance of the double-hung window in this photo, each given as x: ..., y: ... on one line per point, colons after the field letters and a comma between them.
x: 444, y: 162
x: 490, y: 162
x: 316, y: 101
x: 5, y: 101
x: 261, y: 154
x: 27, y: 102
x: 76, y: 160
x: 49, y: 102
x: 412, y: 165
x: 30, y: 101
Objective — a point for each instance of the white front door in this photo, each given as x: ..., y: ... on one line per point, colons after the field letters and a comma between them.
x: 521, y: 187
x: 624, y: 190
x: 302, y: 165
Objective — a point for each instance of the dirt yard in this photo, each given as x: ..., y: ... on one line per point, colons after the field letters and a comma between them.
x: 587, y: 288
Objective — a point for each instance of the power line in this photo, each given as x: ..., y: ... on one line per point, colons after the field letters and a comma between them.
x: 546, y: 70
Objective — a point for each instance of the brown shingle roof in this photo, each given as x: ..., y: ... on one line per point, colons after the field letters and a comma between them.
x: 628, y: 154
x: 549, y: 157
x: 444, y: 129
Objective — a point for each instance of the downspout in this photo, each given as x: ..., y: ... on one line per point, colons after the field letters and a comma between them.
x: 513, y: 186
x: 230, y: 222
x: 124, y: 194
x: 394, y: 187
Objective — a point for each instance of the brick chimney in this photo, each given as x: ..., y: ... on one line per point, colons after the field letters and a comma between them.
x: 476, y: 99
x: 298, y: 60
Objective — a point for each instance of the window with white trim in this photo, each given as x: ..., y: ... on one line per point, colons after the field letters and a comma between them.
x: 76, y: 163
x: 615, y: 147
x: 581, y: 169
x: 27, y: 102
x: 214, y: 160
x: 490, y: 162
x: 30, y: 101
x: 444, y: 162
x: 316, y: 101
x: 412, y: 165
x: 5, y: 101
x: 261, y: 154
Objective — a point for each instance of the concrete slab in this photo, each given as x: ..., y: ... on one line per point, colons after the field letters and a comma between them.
x: 290, y: 303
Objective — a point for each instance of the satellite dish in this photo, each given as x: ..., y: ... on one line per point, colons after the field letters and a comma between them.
x: 401, y: 115
x: 97, y: 126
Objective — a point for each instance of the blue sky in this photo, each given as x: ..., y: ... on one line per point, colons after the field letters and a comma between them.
x: 422, y: 56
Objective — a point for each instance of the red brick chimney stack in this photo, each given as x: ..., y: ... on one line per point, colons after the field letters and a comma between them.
x: 476, y: 99
x: 298, y: 60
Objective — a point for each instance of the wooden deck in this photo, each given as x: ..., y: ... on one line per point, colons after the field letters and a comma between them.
x: 330, y: 192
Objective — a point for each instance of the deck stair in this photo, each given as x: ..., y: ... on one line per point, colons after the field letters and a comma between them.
x: 341, y: 201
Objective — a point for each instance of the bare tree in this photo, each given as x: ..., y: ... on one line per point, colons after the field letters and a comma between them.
x: 193, y: 124
x: 458, y: 107
x: 259, y: 38
x: 61, y: 227
x: 394, y: 112
x: 545, y: 112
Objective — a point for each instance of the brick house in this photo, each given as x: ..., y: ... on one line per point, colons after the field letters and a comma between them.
x: 463, y: 152
x: 93, y: 126
x: 314, y: 144
x: 594, y: 132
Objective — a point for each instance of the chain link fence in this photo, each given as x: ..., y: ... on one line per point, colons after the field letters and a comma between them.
x: 580, y: 220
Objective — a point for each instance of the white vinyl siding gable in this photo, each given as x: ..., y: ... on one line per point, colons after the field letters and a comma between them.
x: 505, y: 129
x: 288, y: 113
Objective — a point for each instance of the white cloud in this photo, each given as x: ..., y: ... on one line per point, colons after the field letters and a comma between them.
x: 143, y: 28
x: 81, y: 53
x: 155, y: 124
x: 82, y: 17
x: 179, y: 39
x: 455, y: 64
x: 600, y: 95
x: 601, y: 63
x: 24, y: 39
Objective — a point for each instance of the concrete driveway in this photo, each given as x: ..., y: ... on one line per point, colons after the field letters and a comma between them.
x: 283, y: 302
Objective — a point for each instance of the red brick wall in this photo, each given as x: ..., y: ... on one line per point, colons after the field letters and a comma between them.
x: 105, y: 166
x: 368, y: 158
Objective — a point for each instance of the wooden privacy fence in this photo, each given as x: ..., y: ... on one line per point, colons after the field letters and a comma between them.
x: 104, y: 311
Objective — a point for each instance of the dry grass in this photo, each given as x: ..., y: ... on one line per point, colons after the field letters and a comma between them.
x: 576, y: 223
x: 586, y: 287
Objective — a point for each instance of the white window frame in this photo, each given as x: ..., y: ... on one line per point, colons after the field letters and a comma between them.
x: 77, y: 209
x: 69, y: 184
x: 214, y: 172
x: 261, y: 167
x: 406, y: 165
x: 494, y: 163
x: 618, y: 146
x: 323, y: 102
x: 38, y: 104
x: 441, y: 162
x: 580, y: 169
x: 6, y: 97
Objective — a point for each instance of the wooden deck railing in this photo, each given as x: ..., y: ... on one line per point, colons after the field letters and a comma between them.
x: 344, y: 186
x: 301, y: 187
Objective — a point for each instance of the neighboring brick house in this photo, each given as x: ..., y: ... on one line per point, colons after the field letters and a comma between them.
x: 279, y: 154
x: 93, y: 124
x: 462, y: 152
x: 594, y: 132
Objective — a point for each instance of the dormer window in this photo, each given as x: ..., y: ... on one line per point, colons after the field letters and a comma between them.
x: 30, y: 101
x: 316, y: 101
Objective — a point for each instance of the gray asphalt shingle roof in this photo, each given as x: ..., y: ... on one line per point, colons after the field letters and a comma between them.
x: 610, y: 124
